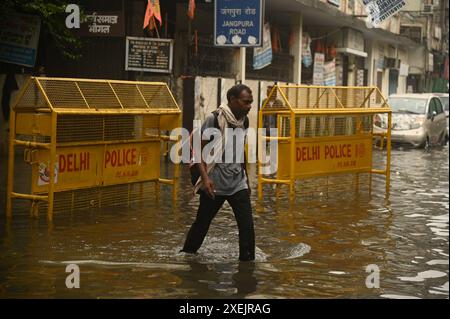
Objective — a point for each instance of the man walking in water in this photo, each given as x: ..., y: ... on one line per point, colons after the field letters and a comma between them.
x: 221, y: 181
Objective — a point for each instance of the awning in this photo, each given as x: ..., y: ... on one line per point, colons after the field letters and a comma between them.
x: 352, y: 51
x: 317, y: 13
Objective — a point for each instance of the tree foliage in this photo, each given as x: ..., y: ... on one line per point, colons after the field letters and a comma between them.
x: 53, y: 17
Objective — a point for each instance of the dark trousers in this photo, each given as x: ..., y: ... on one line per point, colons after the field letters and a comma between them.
x: 242, y: 209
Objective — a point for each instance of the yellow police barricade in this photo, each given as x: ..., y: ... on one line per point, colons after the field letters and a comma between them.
x: 332, y: 133
x: 90, y: 143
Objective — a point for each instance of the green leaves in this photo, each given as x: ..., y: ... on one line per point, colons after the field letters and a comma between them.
x: 53, y: 15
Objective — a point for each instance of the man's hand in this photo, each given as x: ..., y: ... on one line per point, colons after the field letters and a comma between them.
x: 209, y: 187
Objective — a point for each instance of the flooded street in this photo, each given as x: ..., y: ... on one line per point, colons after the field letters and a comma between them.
x: 319, y: 249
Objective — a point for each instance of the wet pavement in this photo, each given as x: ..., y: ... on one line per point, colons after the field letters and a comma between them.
x: 317, y: 249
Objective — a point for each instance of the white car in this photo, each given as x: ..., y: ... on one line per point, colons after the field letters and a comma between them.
x: 418, y: 120
x: 444, y: 100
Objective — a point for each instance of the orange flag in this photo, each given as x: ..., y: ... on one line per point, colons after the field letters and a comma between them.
x: 191, y: 9
x: 153, y: 9
x: 276, y: 44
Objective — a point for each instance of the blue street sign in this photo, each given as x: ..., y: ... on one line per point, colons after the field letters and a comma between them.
x: 238, y: 23
x: 19, y: 38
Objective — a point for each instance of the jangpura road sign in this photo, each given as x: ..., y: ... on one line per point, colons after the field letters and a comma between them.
x: 238, y: 23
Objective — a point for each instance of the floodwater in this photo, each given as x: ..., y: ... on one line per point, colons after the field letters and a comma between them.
x: 323, y: 249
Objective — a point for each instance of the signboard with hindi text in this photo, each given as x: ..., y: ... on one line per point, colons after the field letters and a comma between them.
x: 101, y: 24
x: 149, y: 55
x: 238, y: 23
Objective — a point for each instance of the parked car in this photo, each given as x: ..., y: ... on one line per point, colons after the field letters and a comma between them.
x: 444, y: 100
x: 417, y: 119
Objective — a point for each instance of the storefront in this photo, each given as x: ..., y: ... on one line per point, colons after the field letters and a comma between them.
x: 351, y: 56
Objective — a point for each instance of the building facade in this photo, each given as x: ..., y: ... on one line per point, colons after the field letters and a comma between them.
x: 407, y: 53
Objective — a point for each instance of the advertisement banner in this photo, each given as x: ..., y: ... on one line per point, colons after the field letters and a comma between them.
x: 380, y: 10
x: 262, y: 56
x: 306, y: 50
x: 319, y: 60
x: 329, y: 73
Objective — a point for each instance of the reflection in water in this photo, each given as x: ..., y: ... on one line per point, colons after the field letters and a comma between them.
x: 306, y: 249
x: 204, y: 280
x: 243, y: 279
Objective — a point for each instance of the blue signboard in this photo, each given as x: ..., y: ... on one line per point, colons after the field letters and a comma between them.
x: 238, y: 23
x: 262, y: 56
x: 19, y: 37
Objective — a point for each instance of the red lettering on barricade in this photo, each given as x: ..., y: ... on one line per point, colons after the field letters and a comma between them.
x: 73, y: 162
x: 62, y: 163
x: 84, y: 161
x: 121, y: 157
x: 69, y: 162
x: 133, y: 156
x: 75, y: 167
x: 316, y: 153
x: 113, y: 158
x: 132, y: 173
x: 119, y: 161
x: 126, y: 154
x: 327, y: 151
x: 107, y: 158
x: 338, y: 151
x: 117, y: 156
x: 307, y: 153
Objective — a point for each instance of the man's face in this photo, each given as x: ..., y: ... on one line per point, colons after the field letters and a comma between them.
x: 242, y: 104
